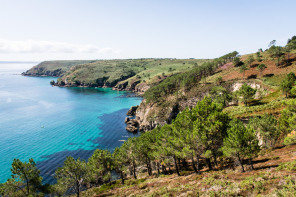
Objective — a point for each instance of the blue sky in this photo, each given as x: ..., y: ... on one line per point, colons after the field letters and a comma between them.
x: 37, y: 30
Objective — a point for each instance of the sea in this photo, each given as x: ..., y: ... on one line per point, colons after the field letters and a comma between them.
x: 50, y: 123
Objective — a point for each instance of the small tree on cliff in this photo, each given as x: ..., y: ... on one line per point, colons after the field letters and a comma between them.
x: 247, y: 93
x: 250, y: 60
x: 265, y: 126
x: 288, y: 83
x: 243, y: 69
x: 261, y: 68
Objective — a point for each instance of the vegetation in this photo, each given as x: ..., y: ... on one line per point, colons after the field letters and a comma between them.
x: 261, y: 68
x: 72, y: 175
x: 246, y: 92
x: 25, y: 180
x: 288, y: 84
x: 54, y: 68
x: 187, y: 80
x: 241, y: 142
x: 202, y: 143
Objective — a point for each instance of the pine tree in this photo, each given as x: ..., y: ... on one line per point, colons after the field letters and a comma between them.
x: 243, y: 69
x: 265, y: 127
x: 72, y: 174
x: 100, y: 165
x: 246, y: 92
x: 25, y: 179
x: 119, y: 162
x: 241, y: 142
x: 261, y: 68
x: 210, y: 127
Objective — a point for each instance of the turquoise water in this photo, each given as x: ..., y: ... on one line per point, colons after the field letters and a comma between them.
x: 49, y: 123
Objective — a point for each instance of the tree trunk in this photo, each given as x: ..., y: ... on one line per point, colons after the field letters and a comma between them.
x: 163, y: 169
x: 134, y: 170
x: 185, y: 164
x: 251, y: 163
x: 148, y: 167
x: 158, y: 171
x: 77, y: 189
x: 177, y: 170
x: 170, y: 170
x: 122, y: 178
x: 215, y: 158
x: 179, y: 163
x: 193, y: 165
x: 241, y: 163
x: 131, y: 170
x: 209, y: 163
x: 28, y: 188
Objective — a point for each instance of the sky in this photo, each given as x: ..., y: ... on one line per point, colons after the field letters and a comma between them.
x: 38, y: 30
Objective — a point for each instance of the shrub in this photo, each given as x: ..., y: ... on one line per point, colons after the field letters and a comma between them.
x: 291, y: 138
x: 290, y: 166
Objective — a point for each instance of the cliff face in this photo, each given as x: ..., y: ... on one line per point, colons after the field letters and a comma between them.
x: 149, y: 115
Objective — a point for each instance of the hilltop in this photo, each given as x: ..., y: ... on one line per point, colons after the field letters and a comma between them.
x: 54, y: 68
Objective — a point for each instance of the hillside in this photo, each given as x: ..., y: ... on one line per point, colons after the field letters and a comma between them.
x: 274, y: 175
x: 125, y: 74
x: 54, y: 68
x: 165, y: 100
x: 222, y: 128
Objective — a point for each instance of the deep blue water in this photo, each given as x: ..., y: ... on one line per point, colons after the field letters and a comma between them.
x: 49, y: 123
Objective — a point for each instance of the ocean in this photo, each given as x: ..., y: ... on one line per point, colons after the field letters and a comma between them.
x: 50, y: 123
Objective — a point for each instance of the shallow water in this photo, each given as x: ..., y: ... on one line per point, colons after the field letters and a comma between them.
x: 49, y: 123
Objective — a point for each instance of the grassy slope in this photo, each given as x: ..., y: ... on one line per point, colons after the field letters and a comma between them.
x: 271, y: 103
x: 267, y: 179
x: 145, y: 70
x: 52, y: 66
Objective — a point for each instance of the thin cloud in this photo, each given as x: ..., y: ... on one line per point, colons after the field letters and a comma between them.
x: 34, y: 46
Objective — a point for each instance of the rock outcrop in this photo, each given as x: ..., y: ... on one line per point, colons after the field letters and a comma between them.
x: 132, y: 111
x: 132, y: 125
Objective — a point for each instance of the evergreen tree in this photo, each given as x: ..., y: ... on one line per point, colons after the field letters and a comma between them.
x: 100, y: 165
x: 237, y: 62
x: 145, y: 146
x: 276, y: 52
x: 73, y: 174
x: 119, y: 162
x: 250, y: 60
x: 246, y: 92
x: 266, y: 128
x: 243, y: 69
x: 210, y: 128
x: 288, y: 83
x: 220, y: 95
x: 261, y: 68
x: 25, y: 179
x: 131, y: 153
x: 241, y: 142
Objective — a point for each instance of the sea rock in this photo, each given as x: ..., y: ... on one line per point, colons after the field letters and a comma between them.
x: 131, y: 128
x: 133, y: 123
x: 132, y: 111
x: 126, y: 119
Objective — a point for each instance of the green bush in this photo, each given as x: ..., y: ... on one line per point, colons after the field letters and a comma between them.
x: 291, y: 166
x: 288, y: 189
